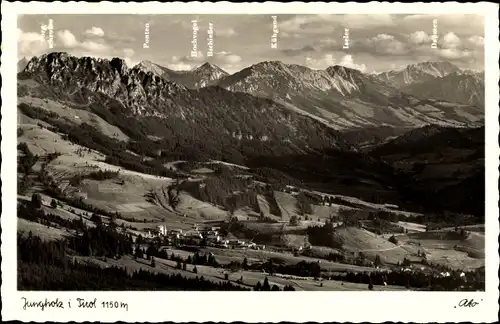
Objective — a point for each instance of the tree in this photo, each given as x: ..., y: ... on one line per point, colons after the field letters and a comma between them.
x: 98, y: 221
x: 53, y: 203
x: 275, y: 288
x: 303, y: 204
x: 153, y: 263
x: 406, y: 262
x: 393, y: 240
x: 184, y: 266
x: 294, y: 221
x: 173, y: 197
x: 348, y: 217
x: 36, y: 201
x: 377, y: 262
x: 226, y: 276
x: 195, y: 270
x: 463, y: 234
x: 370, y: 284
x: 266, y: 286
x: 138, y: 252
x: 258, y: 286
x: 245, y: 264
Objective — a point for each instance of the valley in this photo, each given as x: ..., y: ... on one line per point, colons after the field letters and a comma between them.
x: 208, y: 182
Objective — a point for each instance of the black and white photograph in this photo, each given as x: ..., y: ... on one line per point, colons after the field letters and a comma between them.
x: 344, y: 160
x: 251, y: 152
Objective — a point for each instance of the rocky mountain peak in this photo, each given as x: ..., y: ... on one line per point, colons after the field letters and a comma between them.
x: 343, y: 71
x: 206, y: 66
x: 21, y: 64
x: 435, y: 68
x: 419, y: 72
x: 209, y: 72
x: 113, y: 78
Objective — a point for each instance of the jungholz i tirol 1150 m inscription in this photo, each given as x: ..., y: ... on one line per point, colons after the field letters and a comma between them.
x: 251, y: 152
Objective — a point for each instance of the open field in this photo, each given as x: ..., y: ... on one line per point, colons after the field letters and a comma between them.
x: 412, y: 227
x: 77, y: 116
x: 250, y: 278
x: 457, y: 254
x: 44, y: 232
x: 286, y: 258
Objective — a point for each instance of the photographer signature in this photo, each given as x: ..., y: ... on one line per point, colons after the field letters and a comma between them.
x: 467, y: 303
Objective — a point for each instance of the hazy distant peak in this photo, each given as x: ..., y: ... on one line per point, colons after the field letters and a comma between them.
x: 419, y: 72
x: 437, y: 69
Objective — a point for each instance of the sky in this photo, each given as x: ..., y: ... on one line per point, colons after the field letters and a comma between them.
x: 377, y: 43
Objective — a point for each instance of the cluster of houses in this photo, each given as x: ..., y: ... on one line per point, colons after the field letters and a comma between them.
x: 198, y: 234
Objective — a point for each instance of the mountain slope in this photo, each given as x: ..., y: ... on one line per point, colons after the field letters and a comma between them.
x: 163, y: 121
x: 201, y: 76
x: 155, y: 69
x: 465, y: 88
x: 444, y: 166
x: 439, y: 80
x: 187, y: 123
x: 21, y: 64
x: 346, y: 98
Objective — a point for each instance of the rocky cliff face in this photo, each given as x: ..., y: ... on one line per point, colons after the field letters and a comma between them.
x: 21, y: 64
x: 110, y: 87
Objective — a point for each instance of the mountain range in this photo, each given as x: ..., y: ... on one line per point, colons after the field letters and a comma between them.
x: 202, y: 76
x: 193, y: 120
x: 337, y: 98
x: 417, y: 73
x: 461, y: 87
x: 273, y: 117
x: 439, y: 80
x: 345, y: 98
